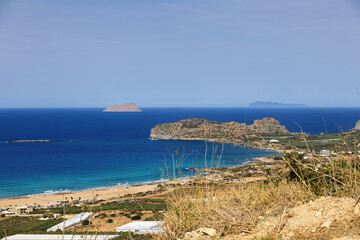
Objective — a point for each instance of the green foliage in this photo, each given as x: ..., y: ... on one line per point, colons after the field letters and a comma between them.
x: 136, y: 217
x: 85, y: 222
x: 155, y: 217
x: 15, y: 225
x: 131, y: 236
x: 127, y: 205
x: 109, y: 220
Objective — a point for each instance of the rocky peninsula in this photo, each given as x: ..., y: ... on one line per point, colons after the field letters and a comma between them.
x: 227, y: 132
x: 357, y: 126
x: 127, y: 107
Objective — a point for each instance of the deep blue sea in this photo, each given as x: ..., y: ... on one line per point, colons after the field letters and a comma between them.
x: 107, y: 149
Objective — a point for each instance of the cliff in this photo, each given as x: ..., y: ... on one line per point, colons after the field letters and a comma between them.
x: 227, y: 132
x: 127, y: 107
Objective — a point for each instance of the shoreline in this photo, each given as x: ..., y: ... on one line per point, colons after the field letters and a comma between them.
x: 105, y: 193
x: 100, y: 193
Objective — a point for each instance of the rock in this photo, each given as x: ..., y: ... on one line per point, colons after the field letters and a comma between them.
x: 320, y: 216
x: 354, y: 237
x: 326, y: 224
x: 127, y: 107
x: 308, y: 217
x: 206, y: 232
x: 227, y: 132
x: 200, y: 234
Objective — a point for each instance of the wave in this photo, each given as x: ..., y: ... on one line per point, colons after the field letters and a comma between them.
x: 47, y: 192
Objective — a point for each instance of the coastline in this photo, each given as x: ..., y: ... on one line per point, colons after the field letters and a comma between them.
x: 101, y: 193
x: 106, y: 193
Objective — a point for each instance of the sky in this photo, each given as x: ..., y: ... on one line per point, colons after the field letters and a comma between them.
x: 188, y: 53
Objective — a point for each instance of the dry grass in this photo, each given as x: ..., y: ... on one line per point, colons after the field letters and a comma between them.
x: 229, y: 210
x: 338, y: 176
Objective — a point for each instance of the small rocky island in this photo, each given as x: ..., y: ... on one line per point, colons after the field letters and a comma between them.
x: 127, y: 107
x: 33, y: 141
x: 226, y: 132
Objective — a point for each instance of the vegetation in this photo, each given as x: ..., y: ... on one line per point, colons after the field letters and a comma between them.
x: 131, y: 236
x: 15, y: 225
x: 125, y: 205
x: 233, y: 209
x: 304, y: 175
x: 325, y: 177
x: 85, y: 222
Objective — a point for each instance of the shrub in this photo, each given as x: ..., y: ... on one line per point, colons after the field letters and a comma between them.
x: 109, y: 220
x: 324, y: 177
x: 85, y: 222
x: 136, y: 217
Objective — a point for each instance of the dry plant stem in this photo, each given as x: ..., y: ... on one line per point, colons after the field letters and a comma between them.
x: 281, y: 220
x: 130, y: 235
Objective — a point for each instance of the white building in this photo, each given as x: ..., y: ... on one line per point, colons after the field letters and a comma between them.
x: 141, y: 227
x: 325, y: 153
x: 71, y: 222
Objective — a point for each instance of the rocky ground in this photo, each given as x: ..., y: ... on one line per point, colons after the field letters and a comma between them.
x: 324, y: 218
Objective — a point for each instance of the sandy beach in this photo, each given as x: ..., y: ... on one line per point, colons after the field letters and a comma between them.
x: 98, y: 194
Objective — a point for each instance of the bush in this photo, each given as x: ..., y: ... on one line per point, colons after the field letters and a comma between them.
x: 324, y: 177
x: 136, y: 217
x: 85, y: 222
x: 109, y: 220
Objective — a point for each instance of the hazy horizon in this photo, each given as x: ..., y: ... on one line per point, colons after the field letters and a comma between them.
x: 71, y: 54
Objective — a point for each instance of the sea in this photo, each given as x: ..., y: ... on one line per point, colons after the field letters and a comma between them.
x: 98, y: 149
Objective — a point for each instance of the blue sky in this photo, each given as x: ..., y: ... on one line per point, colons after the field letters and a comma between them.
x: 188, y: 53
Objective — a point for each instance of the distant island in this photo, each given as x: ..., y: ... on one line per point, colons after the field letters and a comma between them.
x: 260, y: 104
x: 33, y: 141
x: 127, y: 107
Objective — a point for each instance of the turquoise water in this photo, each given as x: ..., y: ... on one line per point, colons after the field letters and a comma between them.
x: 108, y: 149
